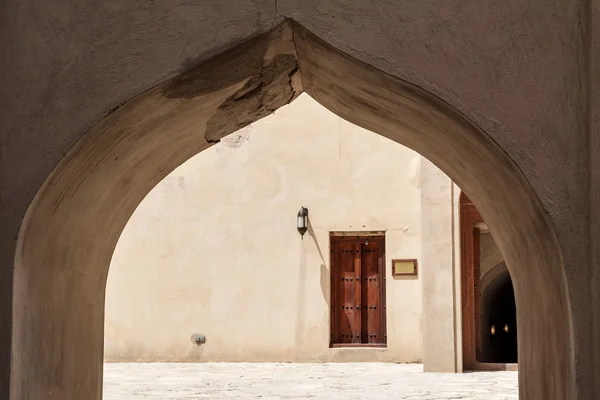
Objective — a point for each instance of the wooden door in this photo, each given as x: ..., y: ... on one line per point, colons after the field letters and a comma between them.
x: 358, y: 291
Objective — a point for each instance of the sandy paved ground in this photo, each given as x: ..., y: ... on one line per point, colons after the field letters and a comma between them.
x: 270, y: 381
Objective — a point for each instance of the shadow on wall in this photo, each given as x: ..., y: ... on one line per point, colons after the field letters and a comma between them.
x: 325, y: 275
x: 301, y: 300
x: 302, y: 293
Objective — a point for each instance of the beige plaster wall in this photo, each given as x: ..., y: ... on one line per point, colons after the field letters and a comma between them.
x: 439, y: 286
x: 214, y: 249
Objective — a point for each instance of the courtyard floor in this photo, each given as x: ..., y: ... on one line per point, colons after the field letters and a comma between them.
x: 270, y: 381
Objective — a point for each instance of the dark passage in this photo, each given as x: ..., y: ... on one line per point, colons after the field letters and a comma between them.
x: 499, y: 321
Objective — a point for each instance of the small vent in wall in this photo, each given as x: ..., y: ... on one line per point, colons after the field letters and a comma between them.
x: 198, y: 339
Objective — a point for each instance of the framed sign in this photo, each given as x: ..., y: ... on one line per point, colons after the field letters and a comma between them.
x: 404, y: 267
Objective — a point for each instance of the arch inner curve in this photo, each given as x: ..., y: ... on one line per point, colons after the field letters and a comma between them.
x: 72, y: 227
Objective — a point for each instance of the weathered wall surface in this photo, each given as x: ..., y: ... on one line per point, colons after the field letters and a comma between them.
x: 593, y: 60
x: 199, y: 253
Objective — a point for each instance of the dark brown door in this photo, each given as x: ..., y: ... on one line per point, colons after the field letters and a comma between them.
x: 358, y: 291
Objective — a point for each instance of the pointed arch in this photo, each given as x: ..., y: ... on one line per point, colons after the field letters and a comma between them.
x: 73, y: 225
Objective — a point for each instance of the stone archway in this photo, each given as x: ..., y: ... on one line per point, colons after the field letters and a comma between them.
x: 72, y: 227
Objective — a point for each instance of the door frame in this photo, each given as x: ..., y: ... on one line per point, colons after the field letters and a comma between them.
x: 469, y: 260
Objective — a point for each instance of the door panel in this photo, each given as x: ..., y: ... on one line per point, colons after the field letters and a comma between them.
x: 348, y: 294
x: 372, y: 283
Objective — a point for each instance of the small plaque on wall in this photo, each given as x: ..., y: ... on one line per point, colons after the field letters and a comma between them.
x: 407, y: 267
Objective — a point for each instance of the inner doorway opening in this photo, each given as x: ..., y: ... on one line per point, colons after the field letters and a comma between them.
x: 488, y: 302
x: 498, y: 319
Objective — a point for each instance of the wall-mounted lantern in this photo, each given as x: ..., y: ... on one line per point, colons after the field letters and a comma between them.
x: 302, y: 222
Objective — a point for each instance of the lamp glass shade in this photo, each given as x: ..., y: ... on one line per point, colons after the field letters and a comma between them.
x: 302, y: 221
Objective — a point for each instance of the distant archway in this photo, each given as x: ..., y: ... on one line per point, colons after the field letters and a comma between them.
x: 72, y: 226
x: 498, y: 317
